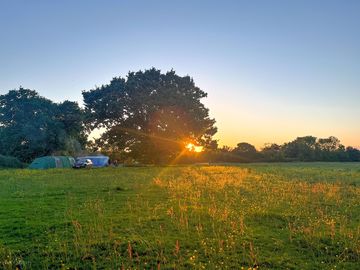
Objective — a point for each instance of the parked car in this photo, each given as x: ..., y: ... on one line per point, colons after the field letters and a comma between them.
x: 83, y: 163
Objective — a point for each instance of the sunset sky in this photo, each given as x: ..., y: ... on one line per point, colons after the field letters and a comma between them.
x: 273, y: 70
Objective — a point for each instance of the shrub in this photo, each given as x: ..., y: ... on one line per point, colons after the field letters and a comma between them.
x: 10, y: 162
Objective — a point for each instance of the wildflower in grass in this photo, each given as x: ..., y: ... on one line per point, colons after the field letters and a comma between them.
x: 129, y: 250
x: 177, y: 247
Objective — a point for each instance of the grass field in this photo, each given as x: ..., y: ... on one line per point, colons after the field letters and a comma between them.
x: 265, y: 216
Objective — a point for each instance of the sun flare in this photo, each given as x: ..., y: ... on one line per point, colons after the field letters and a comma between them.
x: 194, y: 148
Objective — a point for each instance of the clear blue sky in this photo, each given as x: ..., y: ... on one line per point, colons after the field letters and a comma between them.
x: 273, y: 70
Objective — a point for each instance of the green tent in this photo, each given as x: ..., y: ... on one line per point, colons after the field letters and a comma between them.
x: 50, y: 162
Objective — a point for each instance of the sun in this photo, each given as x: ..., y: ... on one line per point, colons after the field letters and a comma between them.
x: 194, y: 148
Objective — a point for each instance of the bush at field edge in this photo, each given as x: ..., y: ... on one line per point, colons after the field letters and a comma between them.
x: 10, y: 162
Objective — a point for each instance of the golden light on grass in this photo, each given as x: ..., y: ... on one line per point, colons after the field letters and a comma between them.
x: 194, y: 148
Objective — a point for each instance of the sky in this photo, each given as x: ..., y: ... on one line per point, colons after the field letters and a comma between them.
x: 273, y: 70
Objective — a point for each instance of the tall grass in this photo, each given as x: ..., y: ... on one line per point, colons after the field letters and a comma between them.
x: 216, y: 217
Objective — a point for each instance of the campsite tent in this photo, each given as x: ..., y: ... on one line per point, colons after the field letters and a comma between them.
x: 98, y: 161
x: 49, y: 162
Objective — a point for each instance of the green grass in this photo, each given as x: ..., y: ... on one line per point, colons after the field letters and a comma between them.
x: 266, y: 216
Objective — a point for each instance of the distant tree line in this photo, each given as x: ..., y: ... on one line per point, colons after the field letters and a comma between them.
x: 308, y: 148
x: 148, y: 117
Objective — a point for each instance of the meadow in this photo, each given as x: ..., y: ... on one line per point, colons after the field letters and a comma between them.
x: 250, y: 216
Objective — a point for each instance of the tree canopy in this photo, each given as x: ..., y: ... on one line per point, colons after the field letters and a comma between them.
x: 150, y: 116
x: 31, y: 125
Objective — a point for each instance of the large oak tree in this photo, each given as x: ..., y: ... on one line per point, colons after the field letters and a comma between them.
x: 150, y: 116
